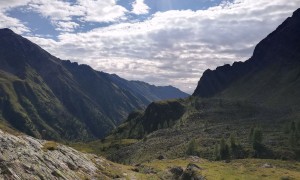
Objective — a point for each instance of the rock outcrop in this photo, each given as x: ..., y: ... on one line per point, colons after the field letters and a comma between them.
x: 158, y: 115
x: 24, y: 157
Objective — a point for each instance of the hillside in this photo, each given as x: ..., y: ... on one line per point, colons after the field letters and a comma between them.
x: 46, y: 97
x: 231, y: 102
x: 24, y: 157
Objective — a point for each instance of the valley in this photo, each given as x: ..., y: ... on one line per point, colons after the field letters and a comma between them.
x: 40, y: 159
x: 50, y: 98
x: 64, y: 120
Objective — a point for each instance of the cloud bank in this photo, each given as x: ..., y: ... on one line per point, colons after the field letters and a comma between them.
x: 173, y: 47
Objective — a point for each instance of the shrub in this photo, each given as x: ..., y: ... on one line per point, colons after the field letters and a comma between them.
x: 50, y: 145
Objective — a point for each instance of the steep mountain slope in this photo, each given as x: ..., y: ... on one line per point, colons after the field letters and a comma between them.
x: 263, y: 92
x: 271, y: 74
x: 44, y: 96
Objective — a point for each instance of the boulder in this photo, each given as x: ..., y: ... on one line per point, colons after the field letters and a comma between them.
x: 161, y: 157
x: 176, y: 170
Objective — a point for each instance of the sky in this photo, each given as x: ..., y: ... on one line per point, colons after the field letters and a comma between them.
x: 162, y: 42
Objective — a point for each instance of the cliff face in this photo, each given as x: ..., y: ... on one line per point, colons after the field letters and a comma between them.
x: 280, y: 48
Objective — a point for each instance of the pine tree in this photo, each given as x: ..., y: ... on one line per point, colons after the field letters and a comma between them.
x: 192, y: 148
x: 293, y: 135
x: 232, y: 141
x: 165, y: 125
x: 257, y: 136
x: 159, y: 126
x: 251, y: 135
x: 293, y: 126
x: 205, y: 126
x: 224, y: 149
x: 217, y: 152
x: 293, y: 139
x: 257, y: 141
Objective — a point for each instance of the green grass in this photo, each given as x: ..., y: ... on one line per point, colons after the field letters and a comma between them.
x: 4, y: 126
x: 50, y: 146
x: 246, y: 169
x: 207, y: 121
x: 102, y: 147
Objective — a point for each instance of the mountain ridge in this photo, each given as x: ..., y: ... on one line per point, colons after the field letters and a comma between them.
x: 147, y: 91
x: 47, y: 97
x: 229, y: 102
x: 215, y: 81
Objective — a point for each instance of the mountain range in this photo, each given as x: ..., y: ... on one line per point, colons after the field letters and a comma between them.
x: 247, y: 114
x: 261, y: 93
x: 49, y: 98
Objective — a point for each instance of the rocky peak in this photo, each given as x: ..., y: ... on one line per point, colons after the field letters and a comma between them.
x: 296, y: 14
x: 16, y: 52
x: 6, y: 31
x: 12, y: 41
x: 280, y: 47
x: 283, y: 42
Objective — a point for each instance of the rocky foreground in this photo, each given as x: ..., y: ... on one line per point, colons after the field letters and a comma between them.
x: 24, y: 157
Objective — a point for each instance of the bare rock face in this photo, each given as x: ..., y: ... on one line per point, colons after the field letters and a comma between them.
x: 24, y: 157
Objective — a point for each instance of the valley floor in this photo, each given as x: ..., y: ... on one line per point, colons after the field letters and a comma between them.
x: 244, y: 169
x: 24, y: 157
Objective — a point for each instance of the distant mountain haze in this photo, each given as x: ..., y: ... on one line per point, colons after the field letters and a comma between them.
x: 46, y: 97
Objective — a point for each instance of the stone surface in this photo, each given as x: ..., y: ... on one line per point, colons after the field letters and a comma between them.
x: 24, y: 157
x: 177, y: 170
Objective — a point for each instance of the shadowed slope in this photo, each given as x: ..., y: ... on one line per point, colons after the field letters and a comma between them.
x: 44, y: 96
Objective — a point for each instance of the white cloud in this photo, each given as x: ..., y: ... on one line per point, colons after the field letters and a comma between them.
x: 85, y: 10
x: 56, y: 10
x: 139, y: 7
x: 63, y: 13
x: 9, y: 22
x: 66, y: 26
x: 4, y: 4
x: 175, y: 47
x: 102, y: 10
x: 12, y: 23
